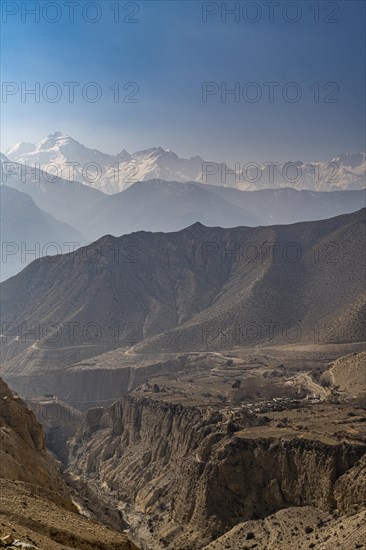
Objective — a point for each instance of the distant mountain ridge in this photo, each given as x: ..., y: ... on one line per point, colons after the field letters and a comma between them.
x: 158, y: 205
x: 27, y: 232
x: 62, y: 155
x: 65, y: 200
x: 193, y: 290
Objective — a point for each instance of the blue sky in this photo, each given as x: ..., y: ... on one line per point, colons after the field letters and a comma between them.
x: 169, y: 53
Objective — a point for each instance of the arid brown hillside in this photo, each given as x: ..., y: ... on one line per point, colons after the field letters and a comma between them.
x: 23, y: 450
x: 35, y: 506
x: 300, y: 528
x: 348, y: 375
x: 197, y: 289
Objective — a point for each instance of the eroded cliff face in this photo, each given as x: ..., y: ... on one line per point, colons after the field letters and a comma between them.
x: 255, y: 478
x: 193, y: 476
x: 37, y: 510
x: 350, y: 489
x: 104, y: 378
x: 23, y: 450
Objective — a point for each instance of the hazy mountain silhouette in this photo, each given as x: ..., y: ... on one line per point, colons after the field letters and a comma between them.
x: 66, y: 200
x: 27, y: 232
x: 158, y: 205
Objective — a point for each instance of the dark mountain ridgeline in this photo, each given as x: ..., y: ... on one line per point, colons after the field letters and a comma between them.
x: 196, y: 289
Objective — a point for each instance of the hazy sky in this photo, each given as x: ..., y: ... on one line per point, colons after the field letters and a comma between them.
x: 169, y: 52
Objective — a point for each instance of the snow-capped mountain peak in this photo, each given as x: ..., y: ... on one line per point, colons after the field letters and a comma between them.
x: 21, y: 148
x: 61, y: 154
x: 351, y: 160
x: 55, y: 141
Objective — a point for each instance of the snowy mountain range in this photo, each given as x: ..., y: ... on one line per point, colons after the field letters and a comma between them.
x: 63, y: 156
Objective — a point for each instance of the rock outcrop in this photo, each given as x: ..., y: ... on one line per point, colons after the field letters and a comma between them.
x: 24, y: 456
x: 347, y: 376
x: 300, y: 528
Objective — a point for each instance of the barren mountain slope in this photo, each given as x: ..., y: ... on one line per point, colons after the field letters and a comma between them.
x: 348, y: 374
x: 311, y: 289
x: 197, y: 289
